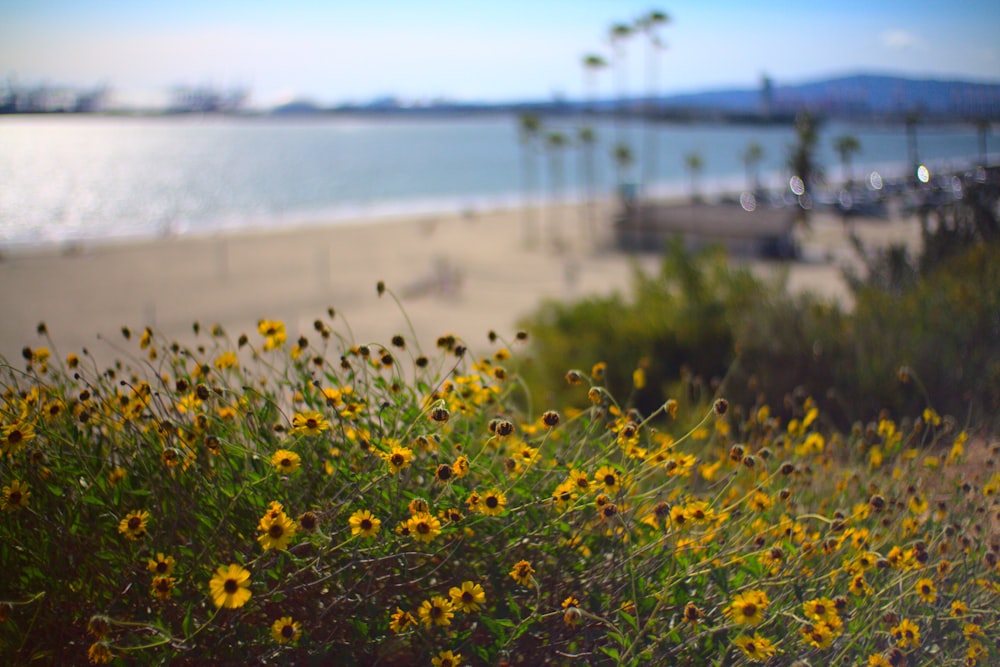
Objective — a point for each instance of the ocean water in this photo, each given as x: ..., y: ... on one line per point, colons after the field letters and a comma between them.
x: 95, y: 178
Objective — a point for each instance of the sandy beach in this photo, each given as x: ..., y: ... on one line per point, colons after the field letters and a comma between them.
x: 460, y: 274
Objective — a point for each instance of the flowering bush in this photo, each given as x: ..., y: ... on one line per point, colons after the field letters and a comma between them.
x: 257, y: 501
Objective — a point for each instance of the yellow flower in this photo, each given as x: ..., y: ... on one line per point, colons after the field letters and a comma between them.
x: 757, y: 648
x: 309, y: 423
x: 133, y: 526
x: 276, y: 531
x: 563, y: 493
x: 492, y: 502
x: 526, y: 454
x: 436, y: 611
x: 230, y: 587
x: 639, y: 378
x: 917, y: 504
x: 14, y: 437
x: 287, y: 462
x: 580, y: 480
x: 821, y: 609
x: 162, y: 587
x: 820, y: 634
x: 522, y: 572
x: 418, y: 506
x: 226, y: 360
x: 397, y: 458
x: 15, y: 496
x: 285, y: 630
x: 609, y: 478
x: 364, y: 523
x: 972, y: 631
x: 907, y: 634
x: 927, y: 591
x: 423, y: 527
x: 273, y: 332
x: 161, y: 565
x: 401, y: 620
x: 468, y: 597
x: 748, y: 608
x: 447, y: 659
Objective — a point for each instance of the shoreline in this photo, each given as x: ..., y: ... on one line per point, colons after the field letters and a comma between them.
x: 458, y: 274
x: 375, y: 213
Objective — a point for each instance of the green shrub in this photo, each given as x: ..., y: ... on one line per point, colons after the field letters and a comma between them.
x: 259, y: 502
x: 701, y: 325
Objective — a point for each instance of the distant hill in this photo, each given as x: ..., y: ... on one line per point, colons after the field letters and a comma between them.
x: 862, y: 95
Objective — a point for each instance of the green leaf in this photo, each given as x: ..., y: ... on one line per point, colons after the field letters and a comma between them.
x: 611, y: 653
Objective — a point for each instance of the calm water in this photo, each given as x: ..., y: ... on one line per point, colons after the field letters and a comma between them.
x: 96, y: 178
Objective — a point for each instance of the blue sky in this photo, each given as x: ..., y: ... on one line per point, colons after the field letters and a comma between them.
x: 338, y: 50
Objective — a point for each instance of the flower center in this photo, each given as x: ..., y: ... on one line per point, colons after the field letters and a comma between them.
x: 231, y: 586
x: 492, y: 501
x: 134, y: 523
x: 366, y: 524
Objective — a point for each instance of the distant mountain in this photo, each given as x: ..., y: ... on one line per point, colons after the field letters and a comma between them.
x: 862, y: 95
x: 297, y: 107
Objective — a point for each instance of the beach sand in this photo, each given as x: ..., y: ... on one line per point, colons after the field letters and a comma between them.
x: 460, y: 274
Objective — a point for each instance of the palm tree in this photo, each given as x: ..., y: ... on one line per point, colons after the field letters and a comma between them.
x: 592, y: 64
x: 529, y: 130
x: 618, y: 34
x: 846, y: 146
x: 983, y: 130
x: 912, y: 119
x: 555, y: 142
x: 802, y: 160
x: 586, y: 138
x: 694, y: 164
x: 752, y: 157
x: 623, y: 158
x: 648, y: 25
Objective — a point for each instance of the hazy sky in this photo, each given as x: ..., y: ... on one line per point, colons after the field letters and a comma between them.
x: 351, y: 50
